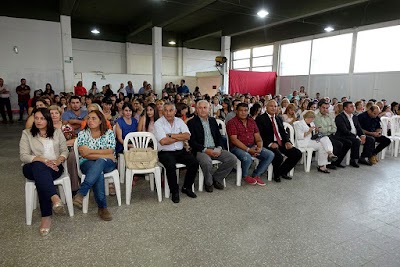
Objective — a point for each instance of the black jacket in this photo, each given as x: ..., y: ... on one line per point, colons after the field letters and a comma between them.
x: 264, y: 125
x: 344, y: 128
x: 197, y: 138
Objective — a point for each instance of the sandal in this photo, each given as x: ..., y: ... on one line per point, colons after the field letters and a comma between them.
x: 111, y: 189
x: 323, y: 170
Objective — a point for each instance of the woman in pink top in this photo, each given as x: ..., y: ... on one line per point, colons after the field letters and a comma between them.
x: 146, y: 122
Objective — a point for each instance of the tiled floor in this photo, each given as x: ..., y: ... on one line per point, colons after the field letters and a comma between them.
x: 348, y: 218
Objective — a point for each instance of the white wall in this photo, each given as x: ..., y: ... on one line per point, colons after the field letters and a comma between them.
x: 355, y: 86
x: 93, y: 55
x: 39, y: 57
x: 198, y: 61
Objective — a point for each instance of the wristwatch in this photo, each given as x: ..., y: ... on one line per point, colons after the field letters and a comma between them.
x: 169, y: 135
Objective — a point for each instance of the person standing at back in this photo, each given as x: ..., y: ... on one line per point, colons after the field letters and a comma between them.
x: 23, y: 92
x: 183, y: 89
x: 5, y: 103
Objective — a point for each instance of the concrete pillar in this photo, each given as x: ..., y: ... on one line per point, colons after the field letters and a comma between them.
x: 157, y: 59
x: 180, y: 61
x: 226, y: 52
x: 129, y: 58
x: 68, y: 60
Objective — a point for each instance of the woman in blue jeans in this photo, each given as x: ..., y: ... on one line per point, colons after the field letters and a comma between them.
x: 96, y: 146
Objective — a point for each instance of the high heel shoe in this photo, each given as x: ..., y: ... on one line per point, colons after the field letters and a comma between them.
x: 44, y: 231
x: 332, y: 158
x: 58, y: 208
x: 324, y: 171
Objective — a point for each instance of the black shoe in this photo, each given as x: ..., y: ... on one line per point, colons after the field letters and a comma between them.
x: 321, y: 170
x: 285, y: 176
x: 175, y: 197
x: 332, y: 158
x: 363, y: 161
x: 331, y: 166
x: 208, y: 188
x: 354, y: 163
x: 218, y: 185
x: 188, y: 193
x: 340, y: 165
x: 277, y: 179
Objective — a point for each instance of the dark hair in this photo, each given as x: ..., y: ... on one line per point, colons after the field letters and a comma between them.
x: 254, y: 109
x: 103, y: 125
x: 156, y: 115
x: 107, y: 100
x: 179, y: 108
x: 321, y: 102
x: 183, y: 81
x: 75, y: 97
x: 392, y: 105
x: 128, y: 105
x: 50, y: 127
x: 227, y: 101
x: 233, y: 103
x: 242, y: 105
x: 310, y: 104
x: 346, y: 103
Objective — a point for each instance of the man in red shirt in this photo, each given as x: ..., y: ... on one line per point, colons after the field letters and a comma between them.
x: 23, y: 92
x: 246, y: 143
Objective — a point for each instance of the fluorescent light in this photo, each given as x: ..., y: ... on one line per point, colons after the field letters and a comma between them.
x: 262, y: 13
x: 329, y: 29
x: 172, y: 42
x: 95, y: 31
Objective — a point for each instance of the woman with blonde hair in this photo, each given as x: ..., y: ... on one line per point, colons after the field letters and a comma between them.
x: 305, y: 131
x: 289, y: 115
x: 160, y: 107
x: 284, y: 103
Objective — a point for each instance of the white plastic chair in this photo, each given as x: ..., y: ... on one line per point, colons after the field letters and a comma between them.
x: 142, y: 140
x: 395, y: 131
x: 395, y: 140
x: 64, y: 186
x: 307, y: 151
x: 166, y: 186
x: 112, y: 177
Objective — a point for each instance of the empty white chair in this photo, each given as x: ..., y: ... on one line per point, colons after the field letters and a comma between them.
x: 64, y: 186
x: 395, y: 140
x: 142, y: 140
x: 112, y: 176
x: 395, y: 131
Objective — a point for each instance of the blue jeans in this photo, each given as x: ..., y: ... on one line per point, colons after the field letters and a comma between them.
x: 266, y: 156
x: 94, y: 177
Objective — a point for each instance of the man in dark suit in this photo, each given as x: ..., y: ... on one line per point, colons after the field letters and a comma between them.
x: 206, y: 143
x: 348, y: 127
x: 277, y: 140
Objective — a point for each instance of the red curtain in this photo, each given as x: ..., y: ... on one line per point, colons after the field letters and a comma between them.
x: 253, y: 82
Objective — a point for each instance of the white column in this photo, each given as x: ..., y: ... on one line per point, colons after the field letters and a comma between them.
x: 180, y: 61
x: 128, y: 58
x: 68, y: 60
x: 157, y: 59
x: 226, y: 52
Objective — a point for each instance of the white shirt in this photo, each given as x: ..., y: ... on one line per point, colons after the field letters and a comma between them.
x: 162, y: 127
x: 48, y: 147
x: 353, y: 128
x: 4, y: 95
x: 276, y: 126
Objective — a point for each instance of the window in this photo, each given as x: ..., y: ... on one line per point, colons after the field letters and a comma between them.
x: 331, y: 54
x: 262, y: 61
x: 263, y: 51
x: 295, y: 59
x: 378, y: 50
x: 265, y: 69
x: 242, y: 63
x: 241, y: 54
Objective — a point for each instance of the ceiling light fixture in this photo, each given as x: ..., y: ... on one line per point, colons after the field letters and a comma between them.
x: 95, y: 31
x: 262, y: 13
x: 329, y: 29
x: 172, y: 42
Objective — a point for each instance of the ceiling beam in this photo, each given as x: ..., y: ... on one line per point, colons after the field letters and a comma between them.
x: 161, y: 19
x: 67, y: 7
x: 237, y: 25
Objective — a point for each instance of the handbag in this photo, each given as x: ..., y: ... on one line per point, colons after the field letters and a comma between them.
x: 317, y: 136
x: 141, y: 158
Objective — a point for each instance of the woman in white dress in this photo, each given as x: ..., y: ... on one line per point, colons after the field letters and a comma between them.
x: 304, y: 130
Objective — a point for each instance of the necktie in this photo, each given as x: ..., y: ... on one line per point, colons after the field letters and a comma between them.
x: 276, y: 132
